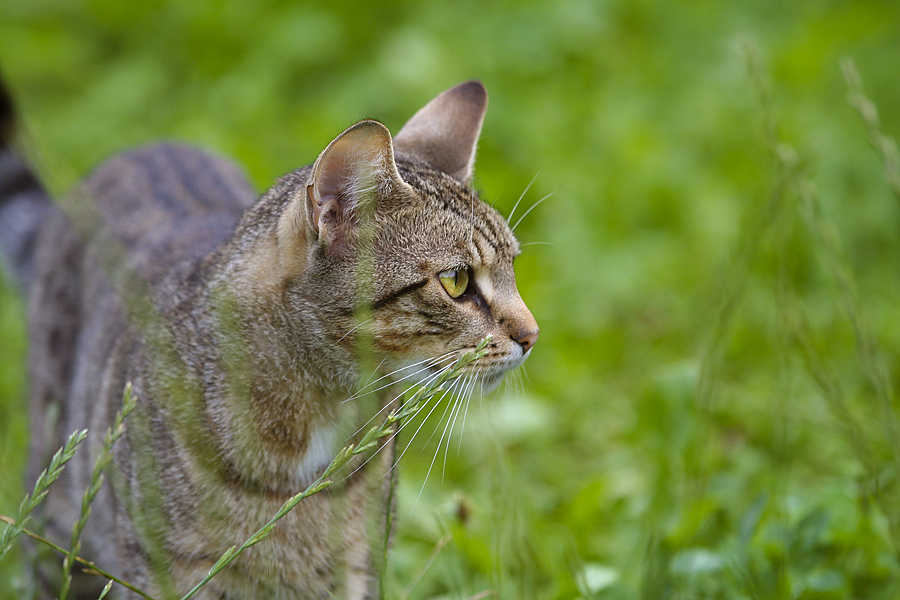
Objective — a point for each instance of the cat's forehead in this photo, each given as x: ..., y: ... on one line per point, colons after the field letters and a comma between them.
x: 459, y: 216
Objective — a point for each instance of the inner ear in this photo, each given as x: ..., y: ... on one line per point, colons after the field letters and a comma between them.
x: 444, y: 133
x: 348, y: 178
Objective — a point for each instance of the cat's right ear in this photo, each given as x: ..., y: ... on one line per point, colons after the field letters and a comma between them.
x: 351, y: 174
x: 444, y: 133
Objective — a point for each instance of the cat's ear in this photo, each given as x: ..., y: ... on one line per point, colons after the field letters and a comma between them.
x: 444, y: 133
x: 351, y: 174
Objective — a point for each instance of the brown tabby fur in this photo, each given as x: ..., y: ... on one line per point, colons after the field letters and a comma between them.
x: 244, y: 327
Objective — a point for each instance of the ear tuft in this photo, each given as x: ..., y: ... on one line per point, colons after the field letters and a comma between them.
x: 444, y: 133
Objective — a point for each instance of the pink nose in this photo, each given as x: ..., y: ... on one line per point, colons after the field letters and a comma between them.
x: 528, y: 340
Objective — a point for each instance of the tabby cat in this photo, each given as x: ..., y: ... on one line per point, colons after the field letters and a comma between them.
x: 245, y: 326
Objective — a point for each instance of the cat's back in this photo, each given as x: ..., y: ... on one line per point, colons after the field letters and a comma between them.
x: 165, y: 204
x: 152, y: 210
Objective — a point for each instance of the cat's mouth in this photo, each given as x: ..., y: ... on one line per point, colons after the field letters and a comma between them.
x: 492, y: 374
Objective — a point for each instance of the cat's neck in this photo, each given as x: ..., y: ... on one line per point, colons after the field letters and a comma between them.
x: 276, y: 384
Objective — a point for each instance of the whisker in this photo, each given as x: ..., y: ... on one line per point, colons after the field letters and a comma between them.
x: 461, y: 387
x: 374, y: 372
x: 533, y: 206
x: 354, y: 328
x: 536, y: 244
x: 462, y: 429
x: 431, y: 437
x: 360, y: 393
x: 409, y: 444
x: 431, y: 466
x: 408, y: 421
x: 388, y: 441
x: 431, y: 362
x: 516, y: 205
x: 448, y: 390
x: 466, y: 391
x: 425, y: 381
x: 511, y: 380
x: 451, y: 422
x: 523, y: 378
x: 476, y: 381
x: 457, y: 406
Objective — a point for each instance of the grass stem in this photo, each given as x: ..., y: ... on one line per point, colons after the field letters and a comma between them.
x: 31, y: 501
x: 91, y: 567
x: 112, y: 435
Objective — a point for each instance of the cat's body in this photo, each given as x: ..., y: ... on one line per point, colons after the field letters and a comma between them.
x: 244, y: 326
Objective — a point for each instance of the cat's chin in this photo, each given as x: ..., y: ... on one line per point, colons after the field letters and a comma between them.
x: 489, y: 376
x: 491, y: 381
x: 492, y: 376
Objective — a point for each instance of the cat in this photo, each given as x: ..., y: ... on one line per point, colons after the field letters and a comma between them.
x: 244, y: 325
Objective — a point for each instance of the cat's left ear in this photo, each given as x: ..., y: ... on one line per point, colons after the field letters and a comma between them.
x: 351, y: 174
x: 444, y: 133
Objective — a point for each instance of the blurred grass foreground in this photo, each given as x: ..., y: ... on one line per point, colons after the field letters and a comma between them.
x: 711, y: 411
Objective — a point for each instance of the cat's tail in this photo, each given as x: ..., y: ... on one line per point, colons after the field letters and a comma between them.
x: 24, y: 205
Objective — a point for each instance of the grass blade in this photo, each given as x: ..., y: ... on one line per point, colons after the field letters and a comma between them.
x: 31, y: 501
x: 112, y: 435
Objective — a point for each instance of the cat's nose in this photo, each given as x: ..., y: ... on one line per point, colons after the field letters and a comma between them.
x: 527, y: 340
x: 520, y: 323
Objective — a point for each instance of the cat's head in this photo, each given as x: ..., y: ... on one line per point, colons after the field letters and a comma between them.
x: 394, y: 225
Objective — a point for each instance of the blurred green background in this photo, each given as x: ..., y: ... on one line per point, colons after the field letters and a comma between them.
x: 711, y: 409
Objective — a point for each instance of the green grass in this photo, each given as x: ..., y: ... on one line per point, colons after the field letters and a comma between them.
x: 711, y: 410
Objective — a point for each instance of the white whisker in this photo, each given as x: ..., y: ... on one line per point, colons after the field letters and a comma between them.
x: 424, y: 382
x: 462, y: 429
x: 431, y: 437
x: 461, y: 388
x: 522, y: 378
x: 386, y: 442
x: 407, y: 422
x: 436, y: 404
x: 516, y: 205
x: 354, y: 328
x: 457, y: 407
x: 533, y: 206
x: 431, y: 362
x: 374, y: 372
x: 431, y: 466
x: 440, y: 441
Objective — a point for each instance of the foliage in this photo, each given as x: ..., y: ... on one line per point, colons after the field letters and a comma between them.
x: 711, y: 410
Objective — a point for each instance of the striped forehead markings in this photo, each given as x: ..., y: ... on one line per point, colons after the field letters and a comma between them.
x: 486, y: 252
x: 464, y: 204
x: 494, y: 236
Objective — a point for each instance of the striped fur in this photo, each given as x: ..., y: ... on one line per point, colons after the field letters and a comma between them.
x: 245, y: 326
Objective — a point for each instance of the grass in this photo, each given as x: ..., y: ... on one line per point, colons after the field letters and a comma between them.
x: 392, y: 422
x: 710, y: 411
x: 32, y: 500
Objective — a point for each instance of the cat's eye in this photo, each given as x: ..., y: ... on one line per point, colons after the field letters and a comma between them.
x: 455, y: 281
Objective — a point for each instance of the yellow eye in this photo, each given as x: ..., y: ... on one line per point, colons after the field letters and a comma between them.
x: 455, y: 281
